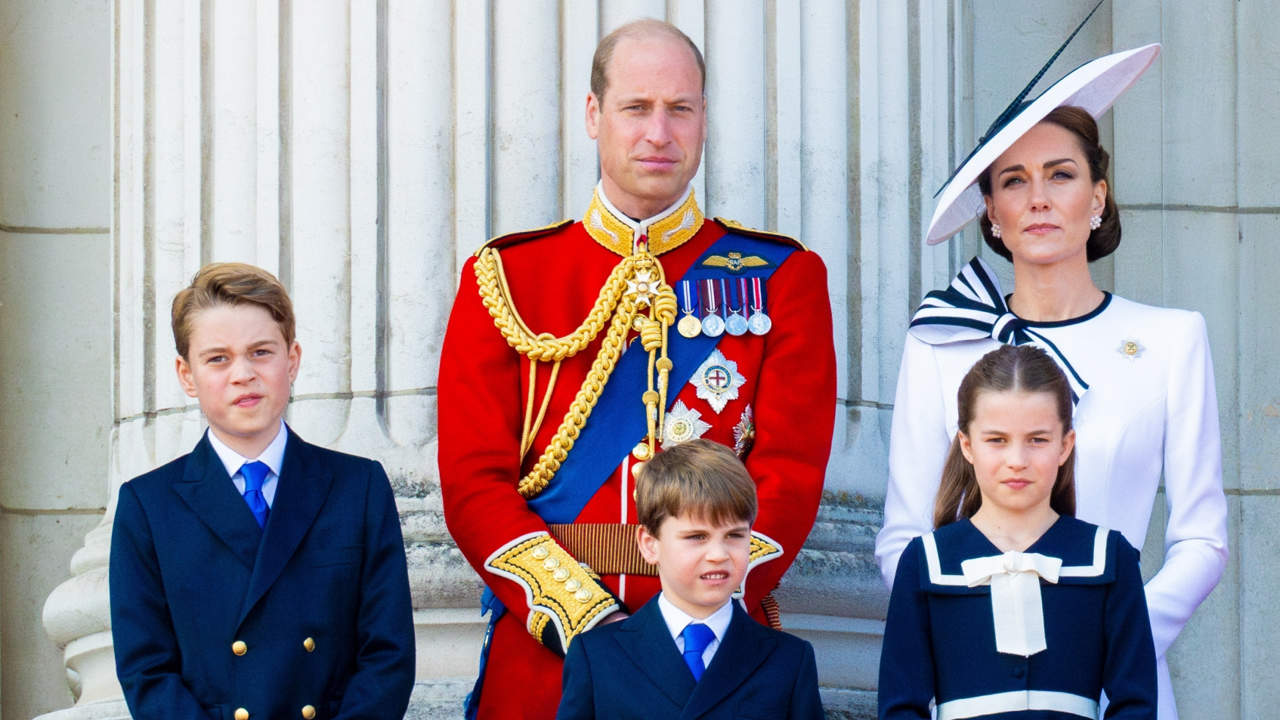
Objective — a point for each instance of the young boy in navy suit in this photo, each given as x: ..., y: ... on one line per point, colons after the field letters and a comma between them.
x: 691, y: 652
x: 258, y: 576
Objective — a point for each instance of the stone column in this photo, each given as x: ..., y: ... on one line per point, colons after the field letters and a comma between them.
x: 260, y: 132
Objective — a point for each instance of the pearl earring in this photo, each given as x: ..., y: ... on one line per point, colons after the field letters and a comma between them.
x: 995, y: 230
x: 1095, y: 222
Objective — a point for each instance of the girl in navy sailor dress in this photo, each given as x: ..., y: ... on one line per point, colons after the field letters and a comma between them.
x: 1012, y: 608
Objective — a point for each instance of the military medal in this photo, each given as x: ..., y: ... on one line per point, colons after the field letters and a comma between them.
x: 759, y: 323
x: 689, y: 326
x: 735, y: 324
x: 682, y: 425
x: 717, y: 380
x: 712, y: 323
x: 744, y: 433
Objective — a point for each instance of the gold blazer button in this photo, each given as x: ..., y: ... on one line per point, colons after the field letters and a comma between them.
x: 308, y: 712
x: 242, y: 714
x: 310, y: 646
x: 239, y: 648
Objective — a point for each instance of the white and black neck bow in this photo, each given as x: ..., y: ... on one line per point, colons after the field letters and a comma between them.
x: 973, y: 307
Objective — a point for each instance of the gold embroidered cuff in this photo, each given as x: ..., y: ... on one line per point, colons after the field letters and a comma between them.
x: 565, y: 598
x: 763, y: 549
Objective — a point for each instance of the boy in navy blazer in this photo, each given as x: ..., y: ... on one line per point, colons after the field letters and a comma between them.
x: 691, y: 652
x: 259, y: 576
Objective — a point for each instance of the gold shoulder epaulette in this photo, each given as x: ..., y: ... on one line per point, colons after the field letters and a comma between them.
x: 510, y: 239
x: 741, y: 229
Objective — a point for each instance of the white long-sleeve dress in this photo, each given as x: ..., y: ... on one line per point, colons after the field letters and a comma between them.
x: 1150, y: 410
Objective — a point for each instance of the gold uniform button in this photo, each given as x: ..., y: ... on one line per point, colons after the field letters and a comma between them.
x: 560, y: 575
x: 242, y: 714
x: 572, y: 586
x: 308, y: 712
x: 551, y: 563
x: 540, y: 552
x: 641, y: 451
x: 583, y: 595
x: 310, y: 646
x: 239, y: 648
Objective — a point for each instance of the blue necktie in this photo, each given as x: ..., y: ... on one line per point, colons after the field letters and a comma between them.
x: 254, y: 473
x: 696, y: 639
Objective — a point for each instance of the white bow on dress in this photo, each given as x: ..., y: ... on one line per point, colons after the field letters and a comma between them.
x: 1016, y: 607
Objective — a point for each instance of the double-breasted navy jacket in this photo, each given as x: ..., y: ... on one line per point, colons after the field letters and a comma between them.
x: 308, y: 617
x: 631, y: 670
x: 939, y: 639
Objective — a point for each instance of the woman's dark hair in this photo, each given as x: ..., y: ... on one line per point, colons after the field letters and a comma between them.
x: 1024, y: 368
x: 1104, y: 240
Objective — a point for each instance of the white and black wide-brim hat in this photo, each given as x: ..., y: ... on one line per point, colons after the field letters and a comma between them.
x: 1093, y: 86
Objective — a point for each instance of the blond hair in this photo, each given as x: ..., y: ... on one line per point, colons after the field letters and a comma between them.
x: 230, y: 284
x: 699, y: 478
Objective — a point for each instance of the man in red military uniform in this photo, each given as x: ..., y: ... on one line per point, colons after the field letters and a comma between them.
x: 575, y: 352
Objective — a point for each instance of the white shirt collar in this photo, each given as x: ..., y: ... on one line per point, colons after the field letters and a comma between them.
x: 273, y: 455
x: 640, y: 227
x: 676, y: 619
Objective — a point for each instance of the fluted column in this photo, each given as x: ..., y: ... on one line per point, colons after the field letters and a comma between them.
x: 260, y: 132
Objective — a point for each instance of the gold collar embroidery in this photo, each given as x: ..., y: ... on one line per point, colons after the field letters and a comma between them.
x: 665, y: 231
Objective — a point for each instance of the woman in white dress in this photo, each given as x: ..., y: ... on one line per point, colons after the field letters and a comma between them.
x: 1142, y: 375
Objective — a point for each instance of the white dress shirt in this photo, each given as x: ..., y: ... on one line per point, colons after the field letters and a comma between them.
x: 272, y: 456
x: 677, y: 619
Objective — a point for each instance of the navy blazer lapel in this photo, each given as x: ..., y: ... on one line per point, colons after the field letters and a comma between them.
x: 207, y: 489
x: 746, y: 645
x: 647, y: 641
x: 300, y: 493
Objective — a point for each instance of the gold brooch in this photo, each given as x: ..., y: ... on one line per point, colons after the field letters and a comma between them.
x: 1131, y: 349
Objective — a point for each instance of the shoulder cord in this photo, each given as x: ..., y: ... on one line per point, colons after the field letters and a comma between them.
x: 637, y: 282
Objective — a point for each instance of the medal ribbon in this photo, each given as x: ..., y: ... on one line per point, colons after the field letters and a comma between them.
x: 713, y: 307
x: 729, y: 301
x: 757, y: 291
x: 686, y: 289
x: 973, y: 307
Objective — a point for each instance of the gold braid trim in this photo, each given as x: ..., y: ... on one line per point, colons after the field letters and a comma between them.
x: 637, y: 282
x: 496, y: 296
x: 565, y: 597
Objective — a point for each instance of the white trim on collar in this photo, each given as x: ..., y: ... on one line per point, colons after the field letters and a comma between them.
x: 937, y: 577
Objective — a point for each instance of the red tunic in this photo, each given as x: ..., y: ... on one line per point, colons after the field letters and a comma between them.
x: 554, y: 278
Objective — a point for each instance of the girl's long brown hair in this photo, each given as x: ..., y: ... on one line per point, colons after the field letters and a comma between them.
x: 1024, y: 368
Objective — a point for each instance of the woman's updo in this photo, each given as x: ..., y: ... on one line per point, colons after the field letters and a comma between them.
x: 1104, y: 240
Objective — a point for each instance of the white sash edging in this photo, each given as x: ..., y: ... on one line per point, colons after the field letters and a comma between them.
x: 1015, y: 701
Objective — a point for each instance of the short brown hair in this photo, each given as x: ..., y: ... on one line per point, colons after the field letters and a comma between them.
x: 230, y: 284
x: 635, y: 29
x: 700, y: 478
x: 1102, y: 241
x: 1008, y: 368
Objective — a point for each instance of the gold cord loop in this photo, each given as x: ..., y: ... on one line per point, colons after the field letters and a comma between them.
x: 636, y: 283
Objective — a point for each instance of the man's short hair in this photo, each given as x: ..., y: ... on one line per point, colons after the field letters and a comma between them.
x: 230, y: 284
x: 635, y: 29
x: 700, y: 478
